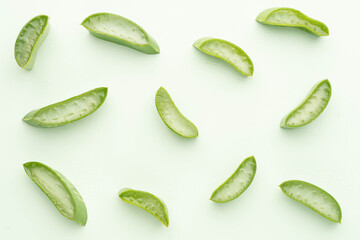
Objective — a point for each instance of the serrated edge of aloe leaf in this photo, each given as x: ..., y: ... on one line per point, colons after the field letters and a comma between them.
x: 312, y: 185
x: 79, y: 218
x: 152, y: 195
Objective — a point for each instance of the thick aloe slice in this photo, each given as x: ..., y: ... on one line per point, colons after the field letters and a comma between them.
x: 172, y: 116
x: 288, y: 17
x: 29, y: 41
x: 237, y: 183
x: 117, y: 29
x: 146, y: 201
x: 67, y: 111
x: 228, y: 52
x: 313, y: 197
x: 60, y: 191
x: 313, y: 105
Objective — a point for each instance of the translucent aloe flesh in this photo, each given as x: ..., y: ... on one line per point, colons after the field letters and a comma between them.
x: 227, y: 52
x: 237, y: 183
x: 172, y: 116
x: 67, y: 111
x: 146, y: 201
x: 59, y: 190
x: 314, y: 197
x: 288, y: 17
x: 29, y: 41
x: 117, y: 29
x: 313, y: 105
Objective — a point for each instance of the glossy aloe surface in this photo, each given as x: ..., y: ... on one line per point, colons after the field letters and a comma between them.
x: 59, y: 190
x: 120, y: 30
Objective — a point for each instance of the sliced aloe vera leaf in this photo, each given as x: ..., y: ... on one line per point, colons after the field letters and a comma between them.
x: 288, y: 17
x: 172, y: 117
x: 120, y: 30
x: 29, y: 41
x: 146, y: 201
x: 59, y: 190
x: 67, y: 111
x: 311, y: 107
x: 237, y: 183
x: 227, y: 52
x: 314, y: 197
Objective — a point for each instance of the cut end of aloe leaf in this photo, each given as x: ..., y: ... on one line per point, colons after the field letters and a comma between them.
x: 314, y: 197
x: 59, y: 190
x: 227, y: 52
x: 146, y: 201
x: 120, y: 30
x: 29, y: 41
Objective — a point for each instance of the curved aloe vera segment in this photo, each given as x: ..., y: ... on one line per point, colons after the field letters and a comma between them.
x: 172, y: 116
x: 59, y: 190
x: 117, y: 29
x: 237, y: 183
x: 29, y: 41
x: 228, y: 52
x: 314, y: 197
x: 288, y: 17
x: 313, y: 105
x: 146, y: 201
x: 67, y: 111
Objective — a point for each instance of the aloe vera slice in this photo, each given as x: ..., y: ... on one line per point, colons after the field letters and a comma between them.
x: 314, y: 104
x: 59, y: 190
x: 227, y: 52
x: 314, y: 197
x: 172, y: 116
x: 67, y: 111
x: 288, y: 17
x: 146, y: 201
x: 29, y: 41
x: 237, y: 183
x: 117, y: 29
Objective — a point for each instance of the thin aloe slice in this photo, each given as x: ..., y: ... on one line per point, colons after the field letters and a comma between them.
x: 314, y: 104
x: 227, y: 52
x: 67, y: 111
x: 172, y: 116
x: 237, y: 183
x: 314, y: 197
x: 59, y: 190
x: 29, y: 41
x: 117, y: 29
x: 146, y: 201
x: 288, y: 17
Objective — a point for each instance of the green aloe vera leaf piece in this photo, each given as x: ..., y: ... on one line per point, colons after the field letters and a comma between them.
x: 59, y: 190
x: 314, y: 197
x: 146, y: 201
x: 29, y: 41
x: 67, y: 111
x: 288, y: 17
x: 227, y: 52
x: 120, y: 30
x: 172, y: 116
x: 237, y: 183
x: 311, y: 107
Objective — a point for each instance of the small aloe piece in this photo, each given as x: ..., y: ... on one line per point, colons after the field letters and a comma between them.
x: 313, y: 105
x: 29, y: 41
x: 59, y: 190
x: 146, y: 201
x: 227, y: 52
x: 67, y: 111
x: 172, y: 116
x: 117, y: 29
x: 288, y: 17
x: 237, y: 183
x: 314, y: 197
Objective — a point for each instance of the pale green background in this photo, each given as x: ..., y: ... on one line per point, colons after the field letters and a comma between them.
x: 125, y: 143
